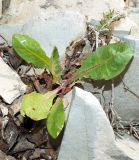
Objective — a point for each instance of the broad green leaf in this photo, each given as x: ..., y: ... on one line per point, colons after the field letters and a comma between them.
x: 55, y: 67
x: 30, y: 50
x: 56, y: 118
x: 106, y: 62
x: 36, y: 105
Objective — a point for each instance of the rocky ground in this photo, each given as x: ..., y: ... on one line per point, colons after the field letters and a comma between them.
x: 67, y: 25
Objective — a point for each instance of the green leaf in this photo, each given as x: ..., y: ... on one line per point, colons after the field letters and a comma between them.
x: 55, y: 67
x: 30, y: 50
x: 56, y: 118
x: 106, y: 62
x: 37, y: 106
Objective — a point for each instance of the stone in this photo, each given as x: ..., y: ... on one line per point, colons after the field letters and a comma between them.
x: 88, y: 133
x: 0, y: 8
x: 126, y: 102
x: 123, y: 27
x: 36, y: 154
x: 59, y: 30
x: 126, y: 98
x: 4, y: 110
x: 16, y: 106
x: 134, y: 31
x: 5, y: 5
x: 129, y: 145
x: 3, y: 156
x: 24, y: 70
x: 23, y: 145
x: 41, y: 8
x: 133, y: 10
x: 134, y: 15
x: 11, y: 85
x: 133, y: 3
x: 92, y: 9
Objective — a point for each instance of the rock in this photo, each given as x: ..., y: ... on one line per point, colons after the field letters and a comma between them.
x: 23, y: 145
x: 15, y: 107
x: 38, y: 138
x: 89, y: 8
x: 87, y: 48
x: 126, y: 98
x: 123, y: 27
x: 3, y: 156
x: 0, y: 8
x: 88, y: 133
x: 126, y: 102
x: 129, y: 145
x: 133, y: 10
x: 11, y: 86
x: 24, y: 70
x: 135, y: 31
x: 133, y: 3
x: 58, y: 30
x: 134, y: 15
x: 4, y: 110
x: 36, y: 154
x: 5, y: 5
x: 11, y: 133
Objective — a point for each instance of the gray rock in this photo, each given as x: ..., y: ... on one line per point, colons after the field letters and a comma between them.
x: 4, y: 157
x: 129, y: 145
x: 5, y: 4
x: 36, y: 154
x: 4, y: 110
x: 11, y: 85
x: 88, y: 134
x: 126, y: 98
x: 126, y: 101
x: 123, y: 27
x: 59, y: 30
x: 89, y: 8
x: 0, y: 8
x: 16, y: 106
x: 23, y: 145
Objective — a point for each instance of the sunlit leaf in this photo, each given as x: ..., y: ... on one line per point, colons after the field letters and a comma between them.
x: 30, y: 50
x: 106, y: 62
x: 37, y: 106
x: 56, y: 118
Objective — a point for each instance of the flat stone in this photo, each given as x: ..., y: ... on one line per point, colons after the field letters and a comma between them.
x: 125, y: 101
x: 88, y: 8
x: 23, y: 145
x: 0, y: 8
x: 5, y: 5
x: 4, y: 157
x: 4, y: 110
x: 11, y: 85
x: 123, y: 27
x: 88, y: 134
x: 29, y: 72
x: 59, y: 30
x: 129, y: 145
x: 16, y: 106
